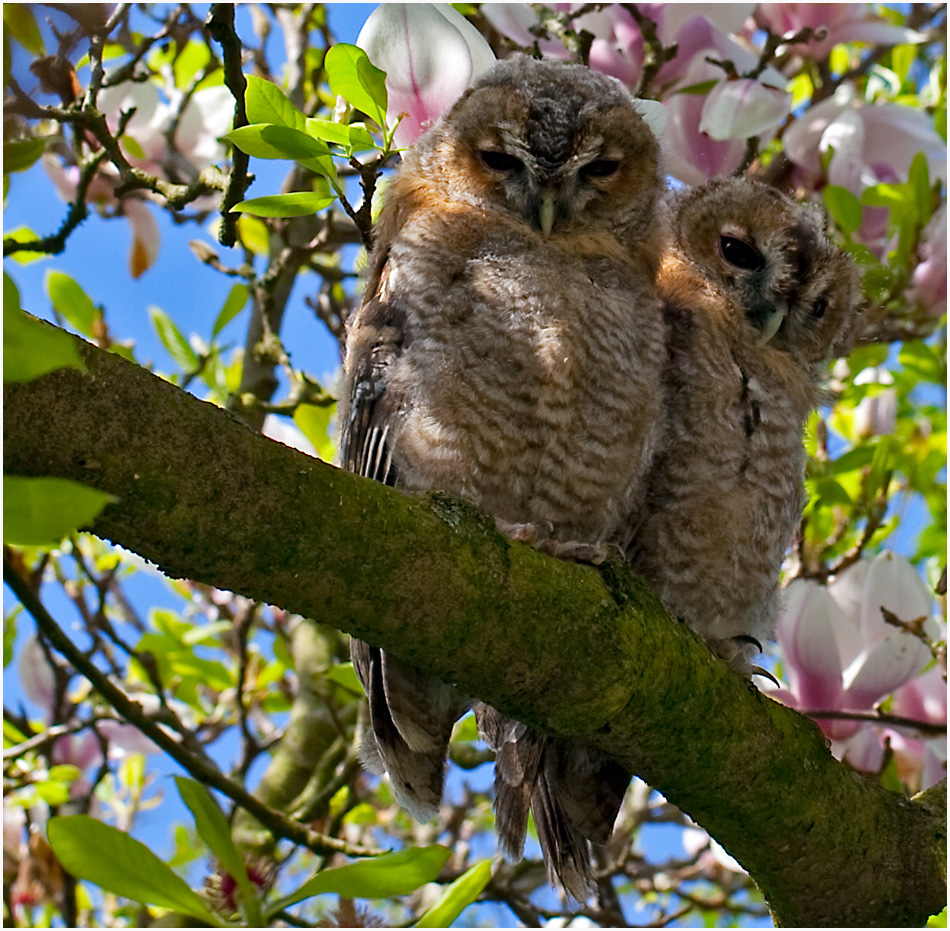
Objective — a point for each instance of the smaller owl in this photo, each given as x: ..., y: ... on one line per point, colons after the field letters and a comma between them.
x: 756, y: 300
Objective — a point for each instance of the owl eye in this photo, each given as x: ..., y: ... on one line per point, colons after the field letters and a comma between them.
x: 500, y: 161
x: 739, y: 253
x: 599, y: 168
x: 819, y: 307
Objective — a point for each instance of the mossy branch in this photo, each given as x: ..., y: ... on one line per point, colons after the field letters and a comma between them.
x: 570, y: 648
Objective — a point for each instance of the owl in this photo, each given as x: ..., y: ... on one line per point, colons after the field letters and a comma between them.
x: 756, y: 300
x: 508, y: 350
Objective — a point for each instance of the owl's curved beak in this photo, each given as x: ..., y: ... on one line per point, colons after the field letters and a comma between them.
x: 768, y: 318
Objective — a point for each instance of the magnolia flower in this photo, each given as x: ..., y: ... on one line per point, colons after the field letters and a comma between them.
x: 930, y: 277
x: 867, y: 143
x: 840, y: 654
x: 430, y: 54
x: 842, y: 22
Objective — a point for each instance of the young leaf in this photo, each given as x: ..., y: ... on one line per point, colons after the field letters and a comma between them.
x: 96, y: 852
x: 919, y: 181
x: 844, y: 207
x: 457, y: 897
x: 22, y: 153
x: 232, y: 307
x: 298, y: 204
x: 267, y: 103
x: 216, y: 833
x: 173, y: 340
x: 72, y: 302
x: 32, y: 348
x: 357, y: 80
x: 381, y: 877
x: 41, y: 511
x: 268, y: 140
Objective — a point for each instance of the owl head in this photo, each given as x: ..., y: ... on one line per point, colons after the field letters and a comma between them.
x: 556, y: 146
x: 768, y: 261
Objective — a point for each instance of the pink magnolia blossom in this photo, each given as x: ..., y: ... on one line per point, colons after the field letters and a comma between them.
x: 930, y: 277
x: 843, y: 22
x: 430, y: 54
x: 841, y: 655
x: 867, y: 143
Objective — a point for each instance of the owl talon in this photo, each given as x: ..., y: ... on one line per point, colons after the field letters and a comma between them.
x: 759, y: 671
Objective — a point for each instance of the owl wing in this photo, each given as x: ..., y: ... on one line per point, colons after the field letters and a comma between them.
x: 411, y: 714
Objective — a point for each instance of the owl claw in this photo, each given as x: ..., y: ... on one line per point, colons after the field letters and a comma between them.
x: 748, y: 638
x: 759, y: 671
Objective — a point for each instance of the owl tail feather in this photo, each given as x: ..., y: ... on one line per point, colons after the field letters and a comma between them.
x: 411, y: 719
x: 574, y: 791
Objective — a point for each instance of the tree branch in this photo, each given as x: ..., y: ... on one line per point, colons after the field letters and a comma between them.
x: 570, y: 648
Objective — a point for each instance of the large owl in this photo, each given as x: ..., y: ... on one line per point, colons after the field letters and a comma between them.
x: 508, y: 349
x: 756, y: 300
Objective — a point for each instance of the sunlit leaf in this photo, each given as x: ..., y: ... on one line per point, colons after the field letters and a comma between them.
x: 32, y: 348
x: 20, y: 154
x: 265, y: 102
x: 96, y: 852
x: 20, y: 24
x: 232, y: 307
x: 457, y: 896
x: 298, y: 204
x: 843, y: 206
x: 314, y: 421
x: 268, y: 140
x: 41, y: 511
x: 380, y: 877
x: 72, y: 302
x: 173, y: 339
x: 359, y: 82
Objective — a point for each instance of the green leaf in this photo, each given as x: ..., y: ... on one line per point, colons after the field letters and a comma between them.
x: 344, y: 675
x: 32, y: 348
x: 23, y: 234
x: 41, y: 511
x: 381, y: 877
x: 457, y: 896
x: 298, y: 204
x: 704, y: 87
x: 72, y: 302
x: 895, y: 196
x: 98, y: 853
x: 19, y: 23
x: 232, y: 307
x: 9, y: 637
x: 22, y: 153
x: 844, y: 207
x: 314, y: 421
x: 354, y: 137
x: 214, y: 831
x: 357, y: 80
x: 856, y: 458
x: 173, y: 340
x: 268, y: 140
x: 265, y: 102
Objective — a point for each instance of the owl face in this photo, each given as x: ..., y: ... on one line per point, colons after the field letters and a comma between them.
x: 770, y: 260
x: 555, y: 146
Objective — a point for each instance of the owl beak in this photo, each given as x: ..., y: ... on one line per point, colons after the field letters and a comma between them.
x: 771, y: 320
x: 546, y: 215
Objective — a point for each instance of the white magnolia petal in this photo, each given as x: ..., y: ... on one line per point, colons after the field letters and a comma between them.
x: 283, y: 431
x: 743, y: 108
x: 892, y: 662
x: 894, y: 584
x: 146, y: 239
x: 427, y: 62
x: 810, y: 652
x: 482, y: 55
x: 875, y: 32
x: 654, y: 114
x: 844, y: 137
x: 803, y: 137
x: 208, y: 116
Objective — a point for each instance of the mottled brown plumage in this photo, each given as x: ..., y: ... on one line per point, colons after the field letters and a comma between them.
x: 756, y: 300
x: 507, y: 350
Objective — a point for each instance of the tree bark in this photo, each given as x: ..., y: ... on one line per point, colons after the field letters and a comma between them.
x: 573, y: 649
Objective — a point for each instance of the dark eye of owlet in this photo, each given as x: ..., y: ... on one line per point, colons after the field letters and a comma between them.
x: 741, y: 254
x: 500, y: 161
x: 819, y: 307
x: 599, y: 168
